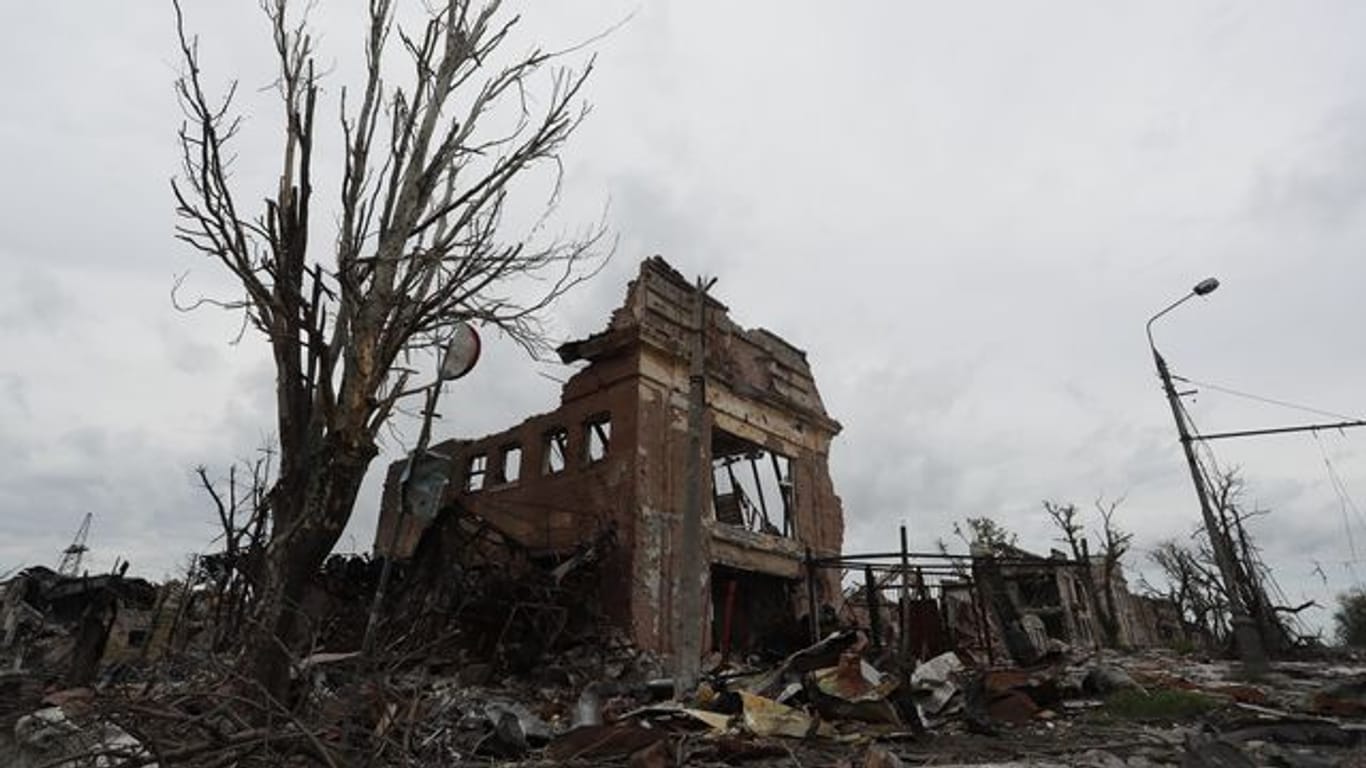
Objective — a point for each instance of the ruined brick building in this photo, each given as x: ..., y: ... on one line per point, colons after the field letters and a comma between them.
x: 1052, y: 597
x: 612, y: 459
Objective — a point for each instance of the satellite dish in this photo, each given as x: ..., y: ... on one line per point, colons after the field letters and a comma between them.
x: 462, y: 352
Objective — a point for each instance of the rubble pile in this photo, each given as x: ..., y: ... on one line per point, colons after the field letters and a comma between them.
x: 607, y: 703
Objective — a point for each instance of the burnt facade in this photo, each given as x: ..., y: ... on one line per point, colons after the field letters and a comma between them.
x: 611, y: 460
x: 1050, y: 599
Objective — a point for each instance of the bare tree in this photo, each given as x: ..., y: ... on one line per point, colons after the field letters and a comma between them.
x: 1253, y: 581
x: 419, y: 247
x: 242, y: 507
x: 1113, y: 545
x: 986, y: 532
x: 1194, y: 587
x: 1068, y: 520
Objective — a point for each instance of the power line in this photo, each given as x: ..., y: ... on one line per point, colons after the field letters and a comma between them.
x: 1261, y: 399
x: 1338, y: 484
x: 1344, y: 502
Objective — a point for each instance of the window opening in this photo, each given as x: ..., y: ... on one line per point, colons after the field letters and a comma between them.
x: 751, y: 485
x: 599, y: 434
x: 556, y: 448
x: 475, y: 471
x: 512, y: 463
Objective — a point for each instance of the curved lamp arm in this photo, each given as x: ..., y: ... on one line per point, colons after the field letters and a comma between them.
x: 1202, y: 288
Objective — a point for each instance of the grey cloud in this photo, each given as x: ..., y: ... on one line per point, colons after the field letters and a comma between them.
x: 15, y: 394
x: 964, y: 224
x: 186, y: 353
x: 37, y: 302
x: 1323, y: 182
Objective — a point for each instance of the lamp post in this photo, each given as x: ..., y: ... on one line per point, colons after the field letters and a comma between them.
x: 460, y: 356
x: 1245, y: 632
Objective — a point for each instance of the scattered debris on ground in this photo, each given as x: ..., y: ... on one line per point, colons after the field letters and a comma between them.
x: 607, y: 703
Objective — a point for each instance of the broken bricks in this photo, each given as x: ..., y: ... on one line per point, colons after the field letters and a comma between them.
x: 830, y: 706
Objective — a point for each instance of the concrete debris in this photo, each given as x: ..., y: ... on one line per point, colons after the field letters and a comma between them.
x: 835, y: 702
x: 1205, y: 751
x: 528, y: 727
x: 765, y: 717
x: 1104, y: 679
x: 934, y: 681
x: 50, y: 736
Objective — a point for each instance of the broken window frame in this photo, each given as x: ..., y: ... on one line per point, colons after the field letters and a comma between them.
x: 756, y: 514
x: 510, y: 454
x: 597, y: 441
x: 553, y: 440
x: 476, y: 472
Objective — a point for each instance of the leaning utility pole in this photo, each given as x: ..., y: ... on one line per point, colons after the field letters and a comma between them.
x: 1247, y: 636
x: 1245, y: 632
x: 688, y: 595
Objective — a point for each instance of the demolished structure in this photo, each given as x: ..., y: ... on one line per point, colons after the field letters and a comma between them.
x: 81, y: 622
x: 1051, y: 600
x: 602, y: 480
x: 998, y: 604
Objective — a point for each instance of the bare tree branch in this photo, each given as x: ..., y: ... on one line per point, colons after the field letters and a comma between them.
x: 421, y: 244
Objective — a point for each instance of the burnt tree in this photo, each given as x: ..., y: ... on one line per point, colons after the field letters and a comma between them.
x: 242, y: 510
x: 1249, y: 572
x: 419, y: 246
x: 1067, y: 518
x: 1114, y: 544
x: 1195, y: 587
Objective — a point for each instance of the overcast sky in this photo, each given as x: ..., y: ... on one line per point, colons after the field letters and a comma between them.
x: 964, y: 212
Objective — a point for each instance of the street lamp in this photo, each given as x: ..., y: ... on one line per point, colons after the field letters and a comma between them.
x: 1203, y: 288
x: 458, y: 358
x: 1246, y: 635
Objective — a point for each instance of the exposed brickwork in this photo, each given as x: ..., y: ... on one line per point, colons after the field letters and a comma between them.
x: 759, y: 389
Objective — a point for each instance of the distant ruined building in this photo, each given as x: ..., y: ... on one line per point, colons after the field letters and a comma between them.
x: 1049, y: 599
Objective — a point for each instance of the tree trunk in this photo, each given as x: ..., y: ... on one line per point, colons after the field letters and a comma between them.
x: 321, y: 499
x: 1109, y: 620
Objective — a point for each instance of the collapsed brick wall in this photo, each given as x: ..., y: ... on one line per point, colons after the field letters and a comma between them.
x: 760, y: 391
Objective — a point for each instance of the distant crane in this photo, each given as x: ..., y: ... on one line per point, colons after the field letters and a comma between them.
x: 71, y: 556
